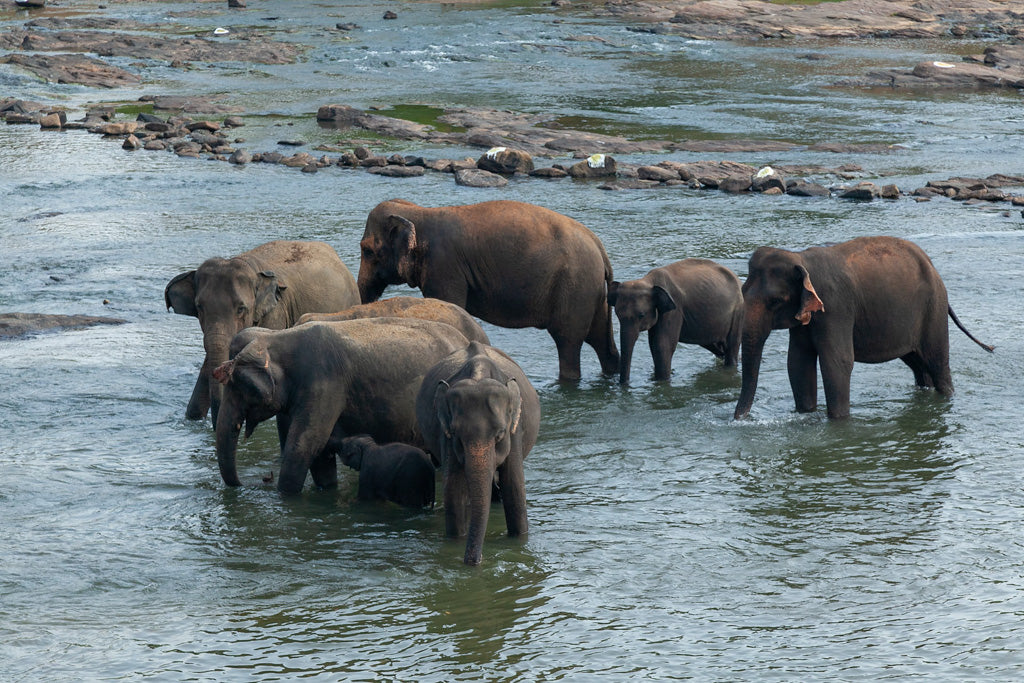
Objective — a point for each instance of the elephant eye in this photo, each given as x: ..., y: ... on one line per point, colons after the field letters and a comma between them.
x: 242, y: 309
x: 367, y: 253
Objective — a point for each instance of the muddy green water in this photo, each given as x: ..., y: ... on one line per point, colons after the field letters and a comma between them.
x: 667, y: 541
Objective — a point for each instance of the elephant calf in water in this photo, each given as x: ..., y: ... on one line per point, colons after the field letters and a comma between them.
x: 396, y: 472
x: 480, y: 415
x: 325, y: 382
x: 693, y: 301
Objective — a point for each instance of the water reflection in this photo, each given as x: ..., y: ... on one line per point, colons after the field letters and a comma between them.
x: 884, y: 479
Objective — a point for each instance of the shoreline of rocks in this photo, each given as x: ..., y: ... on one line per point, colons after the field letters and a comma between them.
x: 207, y: 138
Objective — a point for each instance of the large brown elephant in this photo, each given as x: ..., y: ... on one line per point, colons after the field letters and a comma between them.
x: 693, y: 301
x: 510, y: 263
x: 870, y: 300
x: 270, y: 286
x: 479, y: 415
x: 408, y: 307
x: 325, y: 382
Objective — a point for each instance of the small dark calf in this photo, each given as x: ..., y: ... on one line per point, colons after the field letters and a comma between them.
x: 396, y: 472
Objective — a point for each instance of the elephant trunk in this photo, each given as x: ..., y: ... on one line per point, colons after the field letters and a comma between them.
x: 628, y: 335
x: 479, y: 479
x: 756, y: 328
x: 370, y: 286
x: 217, y: 345
x: 228, y: 430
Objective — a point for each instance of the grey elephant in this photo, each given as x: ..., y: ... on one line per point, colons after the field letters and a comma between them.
x: 509, y: 263
x: 480, y: 415
x: 269, y: 286
x: 869, y: 300
x: 396, y: 472
x: 409, y: 307
x: 693, y: 301
x: 325, y: 382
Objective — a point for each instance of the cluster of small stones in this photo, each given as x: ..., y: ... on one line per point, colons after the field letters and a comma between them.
x: 194, y: 138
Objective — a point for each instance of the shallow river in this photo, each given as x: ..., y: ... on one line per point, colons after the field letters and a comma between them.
x: 667, y: 541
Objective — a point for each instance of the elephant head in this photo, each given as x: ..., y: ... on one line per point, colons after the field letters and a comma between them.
x: 389, y: 255
x: 478, y: 414
x: 227, y: 295
x: 777, y: 295
x: 254, y: 391
x: 353, y: 449
x: 638, y: 305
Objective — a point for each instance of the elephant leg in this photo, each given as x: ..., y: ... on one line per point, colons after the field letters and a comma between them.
x: 324, y: 470
x: 199, y: 402
x: 732, y: 343
x: 935, y: 357
x: 305, y: 442
x: 663, y: 343
x: 601, y: 338
x: 916, y: 363
x: 568, y: 357
x: 284, y: 420
x: 456, y: 502
x: 836, y: 370
x: 803, y: 372
x: 513, y: 490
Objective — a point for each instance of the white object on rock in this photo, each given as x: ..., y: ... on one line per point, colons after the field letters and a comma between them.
x: 494, y: 151
x: 595, y: 161
x: 765, y: 172
x: 943, y: 65
x: 220, y: 31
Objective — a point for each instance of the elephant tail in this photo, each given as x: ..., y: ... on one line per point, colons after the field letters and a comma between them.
x: 963, y: 329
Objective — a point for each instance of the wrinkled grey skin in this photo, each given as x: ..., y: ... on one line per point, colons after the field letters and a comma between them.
x: 409, y: 307
x: 869, y: 300
x: 693, y: 301
x: 512, y: 264
x: 480, y: 415
x: 324, y: 382
x: 270, y: 286
x: 396, y: 472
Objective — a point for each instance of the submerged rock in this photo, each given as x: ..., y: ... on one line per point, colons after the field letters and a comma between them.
x: 22, y: 324
x: 475, y: 177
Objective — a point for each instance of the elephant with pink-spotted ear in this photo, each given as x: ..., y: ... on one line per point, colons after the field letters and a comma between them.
x: 869, y: 300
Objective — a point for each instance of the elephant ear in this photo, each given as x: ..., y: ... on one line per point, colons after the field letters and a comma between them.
x: 515, y: 408
x: 441, y: 409
x: 809, y: 301
x: 180, y: 294
x: 662, y: 300
x: 401, y: 233
x: 268, y: 295
x: 250, y: 373
x: 613, y: 292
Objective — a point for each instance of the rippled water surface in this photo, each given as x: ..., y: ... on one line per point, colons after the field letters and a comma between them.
x: 667, y: 541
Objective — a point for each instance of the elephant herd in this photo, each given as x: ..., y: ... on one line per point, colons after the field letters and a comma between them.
x: 397, y: 387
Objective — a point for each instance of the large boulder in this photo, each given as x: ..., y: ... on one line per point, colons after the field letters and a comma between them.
x: 594, y: 166
x: 505, y: 161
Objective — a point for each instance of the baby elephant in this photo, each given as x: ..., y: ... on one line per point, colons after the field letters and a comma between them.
x: 693, y: 301
x: 396, y: 472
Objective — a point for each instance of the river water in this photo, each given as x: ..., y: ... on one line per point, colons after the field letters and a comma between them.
x: 667, y: 540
